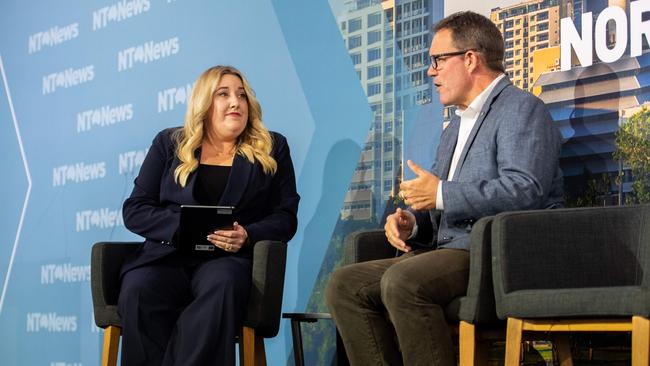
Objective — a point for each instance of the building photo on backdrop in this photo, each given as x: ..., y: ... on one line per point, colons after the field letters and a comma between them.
x: 85, y: 87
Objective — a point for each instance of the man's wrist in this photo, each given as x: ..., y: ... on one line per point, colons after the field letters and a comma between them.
x: 440, y: 205
x: 414, y: 231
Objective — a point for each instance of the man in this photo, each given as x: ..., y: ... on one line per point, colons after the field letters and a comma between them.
x: 499, y: 153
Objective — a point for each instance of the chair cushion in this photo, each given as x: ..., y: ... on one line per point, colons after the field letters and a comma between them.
x: 579, y: 302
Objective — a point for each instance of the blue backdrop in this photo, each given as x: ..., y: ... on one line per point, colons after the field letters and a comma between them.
x: 85, y: 87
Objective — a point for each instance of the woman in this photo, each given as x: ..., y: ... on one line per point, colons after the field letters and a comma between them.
x: 177, y: 309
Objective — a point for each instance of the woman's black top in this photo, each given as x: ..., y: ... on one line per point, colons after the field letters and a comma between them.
x: 210, y: 183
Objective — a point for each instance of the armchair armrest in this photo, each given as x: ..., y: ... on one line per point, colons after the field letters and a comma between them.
x: 265, y: 302
x: 106, y: 262
x: 478, y: 305
x: 367, y: 245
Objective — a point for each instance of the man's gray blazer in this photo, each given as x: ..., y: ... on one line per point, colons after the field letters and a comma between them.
x: 510, y: 162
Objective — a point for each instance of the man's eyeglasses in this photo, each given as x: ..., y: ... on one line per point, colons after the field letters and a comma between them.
x: 444, y: 56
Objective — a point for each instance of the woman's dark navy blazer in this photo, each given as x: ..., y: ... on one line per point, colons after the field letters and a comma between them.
x: 265, y: 205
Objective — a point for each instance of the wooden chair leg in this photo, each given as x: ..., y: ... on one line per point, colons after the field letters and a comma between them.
x: 251, y: 348
x: 513, y: 341
x: 640, y: 341
x: 111, y: 345
x: 467, y: 343
x: 561, y: 342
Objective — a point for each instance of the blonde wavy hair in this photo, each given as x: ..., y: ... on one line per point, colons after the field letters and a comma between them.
x: 254, y: 143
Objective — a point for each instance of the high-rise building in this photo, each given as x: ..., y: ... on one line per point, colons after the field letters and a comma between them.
x: 586, y: 104
x: 388, y: 44
x: 527, y: 27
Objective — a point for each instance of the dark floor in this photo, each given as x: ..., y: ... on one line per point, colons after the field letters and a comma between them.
x: 610, y: 350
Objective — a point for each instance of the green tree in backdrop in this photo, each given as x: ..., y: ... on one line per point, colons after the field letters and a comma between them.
x: 633, y: 148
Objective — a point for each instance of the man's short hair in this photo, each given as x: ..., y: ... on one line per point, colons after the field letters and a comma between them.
x: 470, y: 30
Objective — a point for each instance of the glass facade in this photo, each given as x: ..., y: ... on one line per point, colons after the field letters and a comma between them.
x: 398, y: 63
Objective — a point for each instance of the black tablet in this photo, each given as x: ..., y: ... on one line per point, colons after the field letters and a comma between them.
x: 197, y: 222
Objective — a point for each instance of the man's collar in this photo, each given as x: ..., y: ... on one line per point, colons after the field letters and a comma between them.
x: 476, y: 105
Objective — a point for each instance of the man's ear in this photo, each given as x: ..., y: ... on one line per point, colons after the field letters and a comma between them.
x: 472, y: 60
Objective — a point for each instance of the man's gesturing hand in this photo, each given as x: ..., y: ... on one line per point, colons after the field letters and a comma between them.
x: 420, y: 192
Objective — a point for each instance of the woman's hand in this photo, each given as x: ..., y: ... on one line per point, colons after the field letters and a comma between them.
x: 229, y: 240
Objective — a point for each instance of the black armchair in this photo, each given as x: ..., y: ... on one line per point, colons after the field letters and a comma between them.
x: 263, y: 314
x: 474, y: 309
x: 585, y: 269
